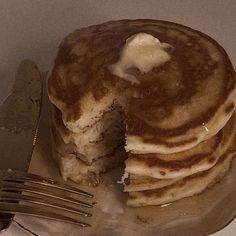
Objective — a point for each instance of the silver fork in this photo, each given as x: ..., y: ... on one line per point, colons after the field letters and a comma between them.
x: 30, y: 194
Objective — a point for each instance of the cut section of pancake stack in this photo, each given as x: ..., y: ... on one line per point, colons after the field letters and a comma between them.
x: 83, y: 155
x: 176, y: 122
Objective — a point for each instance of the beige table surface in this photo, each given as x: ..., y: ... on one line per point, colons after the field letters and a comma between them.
x: 33, y: 28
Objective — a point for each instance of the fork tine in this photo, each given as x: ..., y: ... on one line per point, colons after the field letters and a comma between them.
x: 10, y: 196
x: 21, y: 176
x: 29, y: 194
x: 14, y: 186
x: 14, y: 208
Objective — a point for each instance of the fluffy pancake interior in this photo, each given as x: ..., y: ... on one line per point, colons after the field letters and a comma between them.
x: 93, y: 142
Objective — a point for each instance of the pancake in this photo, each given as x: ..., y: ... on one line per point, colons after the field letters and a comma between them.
x: 186, y: 187
x: 93, y: 142
x: 178, y: 165
x: 140, y: 183
x: 174, y: 106
x: 72, y: 166
x: 74, y: 169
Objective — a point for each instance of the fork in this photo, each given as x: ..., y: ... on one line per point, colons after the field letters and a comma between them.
x: 34, y: 195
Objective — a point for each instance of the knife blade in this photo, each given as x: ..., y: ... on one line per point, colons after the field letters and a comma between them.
x: 19, y: 121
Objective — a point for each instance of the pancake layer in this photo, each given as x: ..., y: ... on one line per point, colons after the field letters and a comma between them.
x: 186, y: 187
x: 178, y: 165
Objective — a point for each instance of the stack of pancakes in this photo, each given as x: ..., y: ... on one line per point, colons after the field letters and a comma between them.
x: 177, y: 121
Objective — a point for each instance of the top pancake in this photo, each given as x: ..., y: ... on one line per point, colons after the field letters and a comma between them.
x: 173, y: 108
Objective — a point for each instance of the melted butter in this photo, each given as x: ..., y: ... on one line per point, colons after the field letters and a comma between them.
x: 142, y: 51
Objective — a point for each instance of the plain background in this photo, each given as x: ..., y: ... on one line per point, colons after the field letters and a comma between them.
x: 32, y: 29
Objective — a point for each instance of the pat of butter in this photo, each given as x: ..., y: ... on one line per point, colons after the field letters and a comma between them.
x: 142, y: 51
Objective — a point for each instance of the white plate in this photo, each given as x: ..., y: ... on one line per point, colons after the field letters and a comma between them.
x: 195, y: 216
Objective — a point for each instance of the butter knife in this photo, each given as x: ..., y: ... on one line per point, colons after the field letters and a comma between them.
x: 19, y: 120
